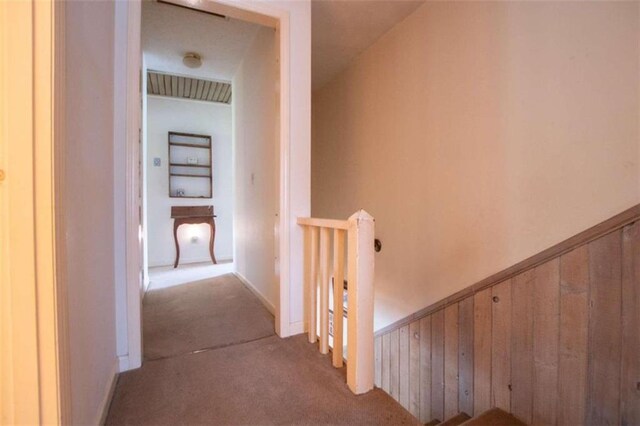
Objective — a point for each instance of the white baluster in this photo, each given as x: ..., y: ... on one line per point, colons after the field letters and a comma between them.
x: 338, y: 291
x: 325, y: 234
x: 312, y: 288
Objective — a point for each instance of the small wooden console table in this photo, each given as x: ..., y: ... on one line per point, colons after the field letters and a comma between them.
x: 193, y: 215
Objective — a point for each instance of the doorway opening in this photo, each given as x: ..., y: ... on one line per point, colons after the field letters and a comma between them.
x: 210, y: 139
x: 209, y: 167
x: 189, y: 61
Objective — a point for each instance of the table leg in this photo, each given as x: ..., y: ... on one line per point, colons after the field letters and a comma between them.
x: 212, y: 225
x: 176, y: 224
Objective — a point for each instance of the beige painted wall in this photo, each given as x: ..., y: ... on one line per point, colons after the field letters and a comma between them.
x: 478, y: 134
x: 256, y: 164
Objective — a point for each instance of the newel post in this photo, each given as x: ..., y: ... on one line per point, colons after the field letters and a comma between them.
x: 360, y: 356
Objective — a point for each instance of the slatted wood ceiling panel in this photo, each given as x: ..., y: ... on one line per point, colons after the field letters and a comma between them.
x: 556, y: 344
x: 188, y: 88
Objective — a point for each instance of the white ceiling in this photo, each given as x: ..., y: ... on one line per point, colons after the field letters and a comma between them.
x: 342, y: 29
x: 168, y: 32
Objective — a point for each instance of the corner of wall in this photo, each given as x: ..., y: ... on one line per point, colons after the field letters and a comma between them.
x: 270, y: 307
x: 103, y: 408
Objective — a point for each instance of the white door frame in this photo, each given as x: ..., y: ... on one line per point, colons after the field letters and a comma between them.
x: 133, y: 207
x: 253, y: 11
x: 34, y: 361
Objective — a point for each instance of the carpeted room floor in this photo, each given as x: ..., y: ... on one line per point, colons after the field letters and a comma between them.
x: 242, y: 375
x: 204, y: 314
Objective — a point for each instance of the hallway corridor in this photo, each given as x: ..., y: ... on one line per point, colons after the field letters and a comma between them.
x: 212, y: 357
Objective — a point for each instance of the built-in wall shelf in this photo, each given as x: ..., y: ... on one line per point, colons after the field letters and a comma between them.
x: 188, y: 175
x: 190, y: 145
x: 190, y: 166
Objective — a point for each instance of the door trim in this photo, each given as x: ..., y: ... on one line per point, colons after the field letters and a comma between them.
x: 135, y: 286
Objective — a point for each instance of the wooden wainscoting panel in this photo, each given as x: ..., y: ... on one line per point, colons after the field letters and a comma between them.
x: 630, y: 385
x: 394, y: 364
x: 501, y: 346
x: 605, y: 299
x: 574, y: 317
x: 482, y: 337
x: 451, y: 344
x: 403, y: 378
x: 386, y: 367
x: 377, y: 344
x: 546, y: 330
x: 465, y: 356
x: 437, y: 365
x: 425, y: 369
x: 414, y: 368
x: 522, y: 345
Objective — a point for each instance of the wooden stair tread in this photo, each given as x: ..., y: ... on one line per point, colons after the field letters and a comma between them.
x: 433, y: 422
x: 456, y: 420
x: 494, y: 417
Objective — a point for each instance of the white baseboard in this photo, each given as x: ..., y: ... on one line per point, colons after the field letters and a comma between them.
x: 101, y: 416
x: 255, y: 291
x: 296, y: 328
x: 123, y: 363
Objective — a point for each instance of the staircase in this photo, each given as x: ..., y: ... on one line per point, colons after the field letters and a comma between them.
x: 492, y: 417
x: 553, y: 339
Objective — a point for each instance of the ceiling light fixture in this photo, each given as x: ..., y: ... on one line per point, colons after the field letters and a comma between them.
x: 192, y: 60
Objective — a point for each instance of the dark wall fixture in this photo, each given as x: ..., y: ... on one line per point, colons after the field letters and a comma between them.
x: 377, y: 245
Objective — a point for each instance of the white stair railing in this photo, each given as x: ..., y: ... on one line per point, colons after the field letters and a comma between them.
x: 325, y: 241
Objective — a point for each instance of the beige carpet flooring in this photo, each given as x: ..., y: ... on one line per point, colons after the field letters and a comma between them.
x: 266, y: 381
x: 205, y: 314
